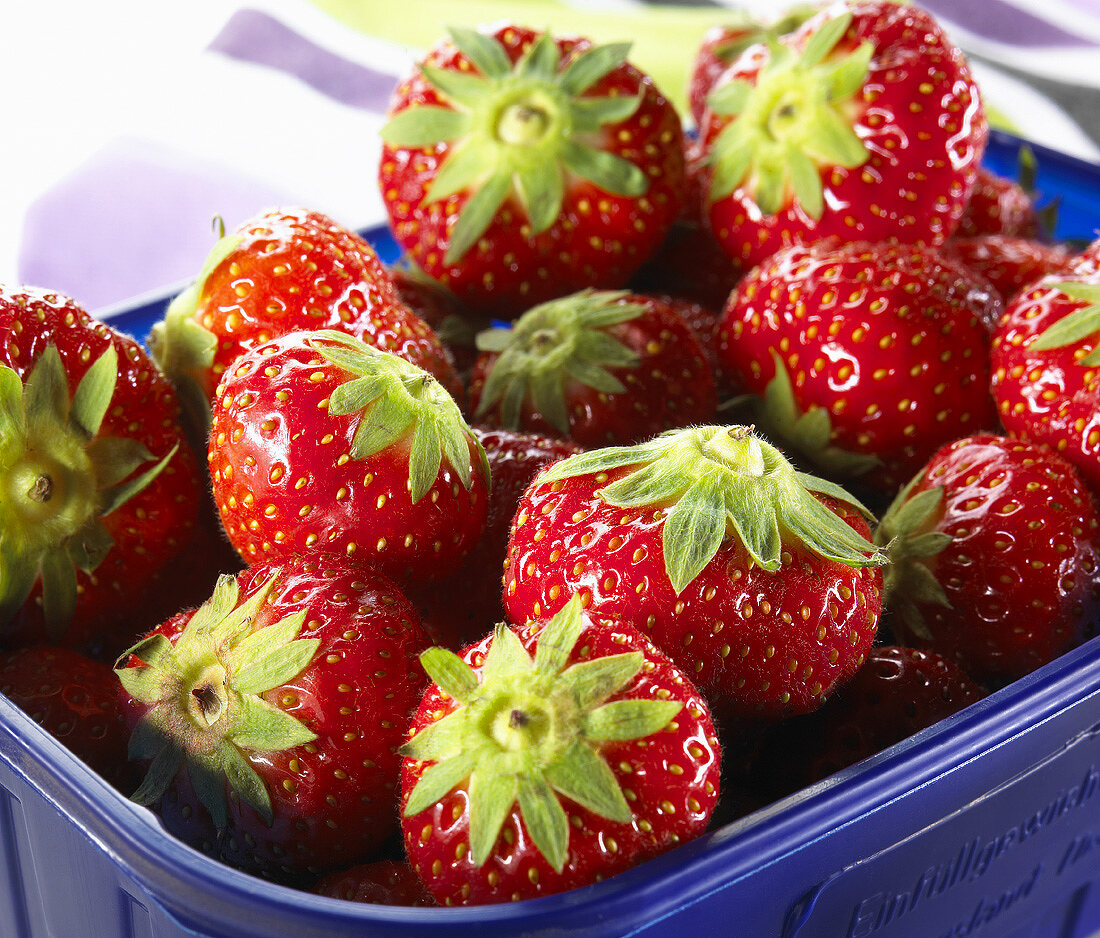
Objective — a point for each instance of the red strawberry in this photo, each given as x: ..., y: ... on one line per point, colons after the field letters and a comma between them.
x: 867, y: 357
x: 995, y: 557
x: 274, y: 712
x: 75, y: 700
x: 383, y: 882
x: 98, y: 489
x: 1045, y: 378
x: 757, y: 581
x: 282, y: 271
x: 863, y: 123
x: 1009, y: 263
x: 551, y: 757
x: 1000, y: 206
x: 321, y: 441
x: 518, y: 166
x: 596, y: 367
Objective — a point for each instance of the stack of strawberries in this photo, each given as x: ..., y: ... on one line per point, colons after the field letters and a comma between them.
x: 664, y: 464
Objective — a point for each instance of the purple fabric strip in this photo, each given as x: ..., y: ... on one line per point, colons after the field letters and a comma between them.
x: 254, y: 36
x: 1003, y: 22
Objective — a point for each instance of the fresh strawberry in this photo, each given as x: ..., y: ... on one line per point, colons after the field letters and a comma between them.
x: 274, y: 712
x: 282, y: 271
x: 1002, y: 206
x: 1045, y: 378
x: 995, y: 557
x: 898, y: 692
x: 459, y: 609
x: 518, y: 166
x: 98, y: 489
x: 321, y: 441
x: 75, y: 700
x: 863, y: 123
x: 550, y: 757
x: 383, y: 882
x: 757, y: 581
x: 596, y: 367
x: 866, y: 357
x: 1009, y: 263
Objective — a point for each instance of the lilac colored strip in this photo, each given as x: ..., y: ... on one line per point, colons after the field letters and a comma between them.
x: 1003, y: 22
x: 254, y: 36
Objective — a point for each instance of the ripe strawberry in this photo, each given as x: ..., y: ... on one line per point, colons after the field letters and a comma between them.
x: 518, y: 166
x: 321, y: 441
x: 550, y: 757
x: 1009, y: 263
x: 1045, y: 378
x: 282, y: 271
x: 863, y: 123
x: 383, y: 882
x: 758, y: 581
x: 596, y: 367
x: 75, y: 700
x: 1002, y: 206
x: 867, y: 357
x: 274, y: 712
x: 98, y: 489
x: 995, y: 557
x: 460, y: 608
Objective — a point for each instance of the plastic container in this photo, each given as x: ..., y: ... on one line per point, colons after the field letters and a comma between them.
x: 987, y: 823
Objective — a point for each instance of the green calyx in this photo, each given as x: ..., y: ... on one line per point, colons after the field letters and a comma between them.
x: 530, y: 731
x: 723, y: 482
x: 518, y: 131
x: 550, y: 344
x: 205, y: 698
x: 907, y: 532
x: 58, y: 480
x: 745, y: 31
x: 1078, y: 326
x: 399, y: 401
x: 792, y: 123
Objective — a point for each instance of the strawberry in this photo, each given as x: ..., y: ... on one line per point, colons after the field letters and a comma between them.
x: 863, y: 123
x: 596, y: 367
x: 322, y: 441
x: 758, y: 581
x: 1045, y: 378
x: 272, y: 714
x: 75, y: 700
x: 1010, y: 207
x: 866, y: 357
x: 552, y: 756
x: 98, y: 489
x: 518, y: 166
x: 995, y: 557
x: 1009, y: 263
x: 383, y: 882
x: 282, y: 271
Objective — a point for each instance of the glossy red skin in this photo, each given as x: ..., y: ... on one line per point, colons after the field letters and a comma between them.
x: 153, y: 526
x: 598, y: 848
x: 383, y: 882
x: 269, y: 432
x: 1022, y: 572
x: 298, y: 269
x: 599, y: 238
x: 999, y: 206
x: 465, y: 607
x: 1047, y: 396
x: 736, y: 629
x: 892, y: 340
x: 1008, y: 262
x: 75, y: 700
x: 918, y: 179
x: 333, y: 799
x: 672, y: 384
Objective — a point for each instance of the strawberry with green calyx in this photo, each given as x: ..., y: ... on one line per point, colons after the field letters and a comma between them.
x: 995, y: 557
x: 816, y: 133
x: 96, y: 490
x: 758, y: 580
x: 552, y: 756
x: 320, y: 441
x: 274, y: 712
x: 518, y: 166
x: 596, y: 367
